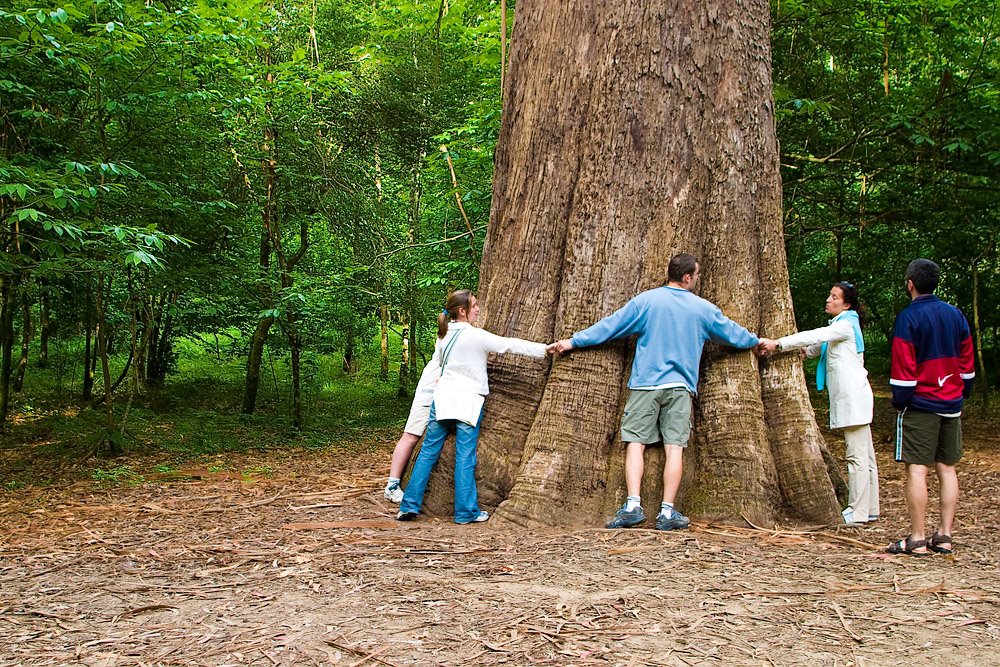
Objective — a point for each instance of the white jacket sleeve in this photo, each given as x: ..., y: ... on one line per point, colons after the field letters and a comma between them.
x: 435, y: 358
x: 840, y: 330
x: 498, y: 344
x: 424, y: 393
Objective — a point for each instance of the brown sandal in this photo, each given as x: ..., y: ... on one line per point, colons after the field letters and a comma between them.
x: 936, y: 542
x: 907, y: 546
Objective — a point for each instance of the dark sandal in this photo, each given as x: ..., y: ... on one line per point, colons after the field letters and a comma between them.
x: 907, y: 546
x: 934, y: 544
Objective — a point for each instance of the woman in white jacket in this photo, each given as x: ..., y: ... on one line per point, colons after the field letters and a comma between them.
x: 461, y: 352
x: 841, y: 347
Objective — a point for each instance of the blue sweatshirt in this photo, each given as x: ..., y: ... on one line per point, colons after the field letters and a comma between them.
x: 932, y: 362
x: 673, y: 325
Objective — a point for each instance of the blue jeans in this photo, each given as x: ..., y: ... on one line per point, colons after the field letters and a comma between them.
x: 466, y: 439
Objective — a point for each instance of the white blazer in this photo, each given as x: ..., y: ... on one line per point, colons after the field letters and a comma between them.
x: 851, y: 400
x: 463, y: 385
x: 423, y: 395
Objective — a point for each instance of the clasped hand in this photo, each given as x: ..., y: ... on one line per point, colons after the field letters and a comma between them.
x: 766, y: 346
x: 560, y: 347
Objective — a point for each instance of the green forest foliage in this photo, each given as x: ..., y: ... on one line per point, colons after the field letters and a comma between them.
x: 315, y: 176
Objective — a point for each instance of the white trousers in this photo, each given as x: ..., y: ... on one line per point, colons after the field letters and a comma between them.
x: 862, y: 473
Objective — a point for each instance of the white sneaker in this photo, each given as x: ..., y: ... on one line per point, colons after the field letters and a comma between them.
x: 483, y: 516
x: 849, y: 519
x: 394, y: 494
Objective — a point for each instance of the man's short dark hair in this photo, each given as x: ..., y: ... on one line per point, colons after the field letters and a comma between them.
x: 680, y: 266
x: 925, y: 274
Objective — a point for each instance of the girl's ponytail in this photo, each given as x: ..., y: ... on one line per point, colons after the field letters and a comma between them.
x: 457, y: 299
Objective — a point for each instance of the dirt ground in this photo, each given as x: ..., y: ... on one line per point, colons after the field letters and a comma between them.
x: 304, y: 565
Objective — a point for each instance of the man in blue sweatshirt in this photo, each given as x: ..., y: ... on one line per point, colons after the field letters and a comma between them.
x: 672, y: 326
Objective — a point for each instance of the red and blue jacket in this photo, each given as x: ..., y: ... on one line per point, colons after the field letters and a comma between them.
x: 932, y: 362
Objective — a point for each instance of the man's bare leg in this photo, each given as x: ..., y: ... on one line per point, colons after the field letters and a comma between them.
x: 948, y: 479
x: 669, y: 517
x: 673, y: 468
x: 634, y: 464
x: 916, y: 506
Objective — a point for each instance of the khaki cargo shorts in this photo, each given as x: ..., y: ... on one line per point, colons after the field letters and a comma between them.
x: 657, y: 415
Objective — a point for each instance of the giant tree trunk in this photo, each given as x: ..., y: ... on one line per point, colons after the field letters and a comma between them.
x: 631, y: 132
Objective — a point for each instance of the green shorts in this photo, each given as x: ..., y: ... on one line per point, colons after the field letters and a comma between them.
x: 925, y: 438
x: 657, y: 415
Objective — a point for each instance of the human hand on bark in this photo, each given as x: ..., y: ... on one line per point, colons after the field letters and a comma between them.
x: 766, y: 346
x: 560, y: 347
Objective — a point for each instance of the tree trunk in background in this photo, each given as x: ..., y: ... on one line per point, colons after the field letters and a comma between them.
x: 348, y: 365
x: 88, y: 363
x: 632, y: 132
x: 43, y: 330
x: 26, y: 333
x: 102, y: 353
x: 147, y: 338
x: 6, y: 344
x: 111, y: 336
x: 981, y: 378
x: 383, y: 315
x: 254, y: 358
x: 416, y: 190
x: 404, y: 363
x: 152, y: 335
x: 413, y: 345
x: 295, y: 348
x: 162, y: 344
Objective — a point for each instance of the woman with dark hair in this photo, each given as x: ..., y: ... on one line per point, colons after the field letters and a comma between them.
x: 840, y: 347
x: 461, y: 353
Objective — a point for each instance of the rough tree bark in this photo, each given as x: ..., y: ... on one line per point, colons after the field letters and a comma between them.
x: 633, y: 131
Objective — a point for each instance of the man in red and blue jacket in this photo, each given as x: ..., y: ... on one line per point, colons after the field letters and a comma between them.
x: 932, y: 373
